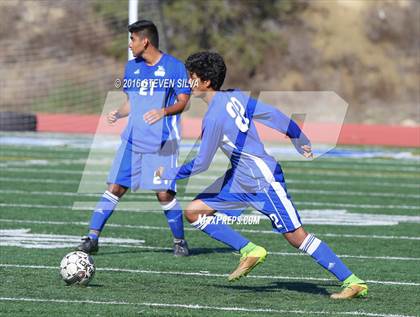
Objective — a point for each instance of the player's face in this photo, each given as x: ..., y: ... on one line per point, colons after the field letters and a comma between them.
x: 137, y: 45
x: 198, y: 86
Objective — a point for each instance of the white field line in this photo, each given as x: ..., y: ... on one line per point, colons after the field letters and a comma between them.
x: 202, y: 307
x: 186, y: 150
x: 189, y: 198
x: 349, y: 165
x: 47, y: 154
x: 342, y: 205
x: 413, y: 161
x: 65, y: 238
x: 152, y: 207
x: 352, y: 193
x: 289, y: 181
x: 288, y: 172
x: 115, y: 225
x: 351, y: 173
x: 51, y: 181
x: 207, y: 274
x: 295, y: 191
x: 76, y: 207
x: 54, y: 171
x: 107, y: 161
x: 363, y: 161
x: 287, y: 254
x: 107, y: 156
x: 88, y: 205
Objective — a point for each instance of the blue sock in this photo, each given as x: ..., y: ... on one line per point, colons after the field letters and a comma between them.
x: 102, y: 212
x: 173, y: 213
x: 221, y: 232
x: 326, y: 257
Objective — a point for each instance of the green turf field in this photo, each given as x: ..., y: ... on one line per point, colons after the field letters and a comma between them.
x: 39, y: 225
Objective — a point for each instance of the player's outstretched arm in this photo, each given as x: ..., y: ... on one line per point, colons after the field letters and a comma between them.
x: 155, y: 115
x: 273, y: 118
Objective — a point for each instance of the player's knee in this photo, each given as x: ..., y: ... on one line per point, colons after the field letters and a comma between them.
x: 117, y: 190
x: 165, y: 197
x: 192, y: 211
x: 190, y: 215
x: 197, y: 209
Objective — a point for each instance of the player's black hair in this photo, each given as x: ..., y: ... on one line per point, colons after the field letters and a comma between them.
x: 147, y: 29
x: 207, y: 66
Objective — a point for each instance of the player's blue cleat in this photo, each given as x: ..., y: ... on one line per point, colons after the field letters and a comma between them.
x: 88, y: 245
x: 352, y: 287
x: 181, y: 247
x: 252, y: 255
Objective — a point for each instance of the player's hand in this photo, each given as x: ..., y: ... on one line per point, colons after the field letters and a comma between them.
x: 112, y: 117
x: 154, y: 115
x: 307, y: 151
x: 159, y: 171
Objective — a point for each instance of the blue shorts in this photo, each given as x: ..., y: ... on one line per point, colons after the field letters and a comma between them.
x: 136, y: 170
x: 272, y: 201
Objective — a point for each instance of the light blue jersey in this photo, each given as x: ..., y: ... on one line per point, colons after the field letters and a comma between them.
x: 229, y: 124
x: 255, y: 178
x: 153, y: 87
x: 145, y: 147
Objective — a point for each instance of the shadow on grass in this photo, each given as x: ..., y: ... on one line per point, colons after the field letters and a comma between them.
x: 193, y: 251
x: 95, y: 285
x: 301, y: 287
x: 198, y: 251
x: 83, y: 286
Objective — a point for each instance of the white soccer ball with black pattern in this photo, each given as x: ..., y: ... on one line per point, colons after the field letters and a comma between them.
x: 77, y: 268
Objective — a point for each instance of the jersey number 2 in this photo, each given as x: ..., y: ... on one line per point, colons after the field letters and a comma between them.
x: 237, y: 111
x: 275, y: 220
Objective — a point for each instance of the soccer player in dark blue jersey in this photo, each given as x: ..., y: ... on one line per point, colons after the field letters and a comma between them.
x: 255, y: 178
x: 157, y: 91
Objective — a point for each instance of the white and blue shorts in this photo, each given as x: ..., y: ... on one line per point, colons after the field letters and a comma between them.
x: 272, y: 200
x: 136, y: 170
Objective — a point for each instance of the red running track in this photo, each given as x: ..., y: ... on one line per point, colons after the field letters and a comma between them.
x: 349, y: 134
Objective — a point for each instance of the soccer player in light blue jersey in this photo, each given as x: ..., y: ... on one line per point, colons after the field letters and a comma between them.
x: 157, y: 91
x: 255, y: 178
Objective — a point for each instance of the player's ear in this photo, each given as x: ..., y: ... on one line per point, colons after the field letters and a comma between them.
x: 144, y: 40
x: 207, y: 83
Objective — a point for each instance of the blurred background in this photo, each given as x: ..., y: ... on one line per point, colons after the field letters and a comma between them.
x: 62, y: 56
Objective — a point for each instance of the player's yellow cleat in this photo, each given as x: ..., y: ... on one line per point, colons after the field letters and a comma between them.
x: 252, y: 255
x: 352, y: 287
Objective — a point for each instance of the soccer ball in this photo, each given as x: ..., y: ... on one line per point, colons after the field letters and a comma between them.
x: 77, y: 268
